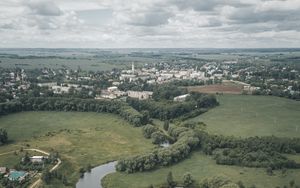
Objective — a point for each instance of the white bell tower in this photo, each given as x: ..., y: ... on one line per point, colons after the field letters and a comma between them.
x: 132, y: 67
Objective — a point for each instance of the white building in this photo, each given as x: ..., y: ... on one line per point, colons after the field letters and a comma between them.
x: 181, y: 98
x: 60, y: 89
x: 113, y: 88
x: 129, y: 77
x: 49, y: 84
x: 141, y: 95
x: 38, y: 159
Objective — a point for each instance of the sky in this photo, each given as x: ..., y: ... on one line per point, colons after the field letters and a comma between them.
x: 149, y: 23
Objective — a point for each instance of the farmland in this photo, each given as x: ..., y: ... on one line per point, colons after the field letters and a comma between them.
x: 225, y: 88
x: 80, y: 138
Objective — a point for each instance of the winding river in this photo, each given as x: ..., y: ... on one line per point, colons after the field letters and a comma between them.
x: 93, y: 179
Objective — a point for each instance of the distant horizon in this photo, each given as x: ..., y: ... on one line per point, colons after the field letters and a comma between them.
x: 149, y: 48
x: 149, y: 24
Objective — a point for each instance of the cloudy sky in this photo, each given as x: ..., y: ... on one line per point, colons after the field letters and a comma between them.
x: 150, y: 23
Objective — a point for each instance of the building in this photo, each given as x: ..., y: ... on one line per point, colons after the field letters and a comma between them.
x: 129, y: 77
x: 250, y: 89
x: 113, y: 88
x: 181, y: 98
x: 132, y: 68
x: 38, y: 159
x: 60, y: 89
x: 49, y: 84
x: 141, y: 95
x: 3, y: 170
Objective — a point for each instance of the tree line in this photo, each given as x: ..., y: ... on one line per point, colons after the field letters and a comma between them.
x: 187, y: 141
x: 251, y: 152
x: 74, y: 104
x: 195, y: 105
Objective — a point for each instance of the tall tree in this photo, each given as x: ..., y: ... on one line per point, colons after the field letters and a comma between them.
x: 187, y: 180
x: 170, y: 180
x: 3, y: 136
x: 166, y: 125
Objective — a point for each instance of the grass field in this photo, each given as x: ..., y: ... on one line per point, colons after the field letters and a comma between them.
x: 57, y: 63
x: 202, y: 166
x: 80, y: 138
x: 238, y: 115
x: 245, y: 115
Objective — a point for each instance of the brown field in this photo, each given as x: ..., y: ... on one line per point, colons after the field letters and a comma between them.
x: 226, y: 88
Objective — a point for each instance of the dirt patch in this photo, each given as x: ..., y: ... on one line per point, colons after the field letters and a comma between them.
x: 217, y: 88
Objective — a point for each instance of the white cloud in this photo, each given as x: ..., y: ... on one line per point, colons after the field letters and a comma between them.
x: 43, y: 7
x: 149, y: 23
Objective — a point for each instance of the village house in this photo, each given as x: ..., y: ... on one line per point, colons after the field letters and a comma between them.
x: 3, y: 170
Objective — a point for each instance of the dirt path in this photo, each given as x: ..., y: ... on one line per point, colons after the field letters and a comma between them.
x: 7, y: 153
x: 38, y: 181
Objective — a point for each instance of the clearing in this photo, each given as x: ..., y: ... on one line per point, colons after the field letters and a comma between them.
x: 247, y: 115
x: 81, y: 138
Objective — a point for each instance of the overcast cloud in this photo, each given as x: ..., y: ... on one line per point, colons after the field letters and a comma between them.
x: 150, y: 23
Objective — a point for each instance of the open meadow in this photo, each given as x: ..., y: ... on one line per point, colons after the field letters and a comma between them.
x: 237, y: 115
x: 79, y: 138
x: 246, y: 115
x: 201, y: 167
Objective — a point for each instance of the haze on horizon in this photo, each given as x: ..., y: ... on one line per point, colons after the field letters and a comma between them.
x: 149, y: 23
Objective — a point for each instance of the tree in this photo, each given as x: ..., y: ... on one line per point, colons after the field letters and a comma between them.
x: 46, y: 176
x: 292, y: 183
x: 26, y: 158
x: 3, y: 136
x: 158, y: 137
x: 166, y: 125
x: 269, y: 171
x: 187, y: 180
x: 64, y: 180
x: 148, y: 130
x: 89, y: 168
x: 170, y: 180
x: 240, y: 184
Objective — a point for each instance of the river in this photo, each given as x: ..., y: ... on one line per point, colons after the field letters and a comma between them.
x: 93, y: 179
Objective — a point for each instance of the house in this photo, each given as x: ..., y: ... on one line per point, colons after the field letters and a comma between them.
x: 38, y: 159
x: 181, y: 98
x: 3, y: 170
x: 49, y: 84
x: 116, y: 83
x: 249, y: 88
x: 113, y: 88
x: 141, y: 95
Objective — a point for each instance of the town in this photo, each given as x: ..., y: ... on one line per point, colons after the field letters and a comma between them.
x: 274, y: 79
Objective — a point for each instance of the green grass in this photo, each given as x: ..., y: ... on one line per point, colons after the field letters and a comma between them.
x: 238, y: 115
x: 244, y: 115
x: 202, y: 166
x: 80, y: 138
